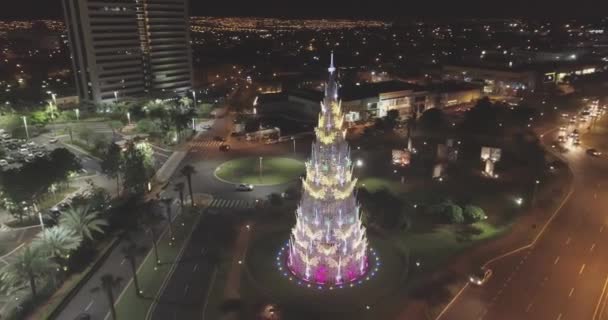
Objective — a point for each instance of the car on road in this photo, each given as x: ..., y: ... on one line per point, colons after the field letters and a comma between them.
x: 244, y: 187
x: 206, y: 127
x: 3, y: 162
x: 224, y: 147
x: 480, y: 276
x: 593, y: 152
x: 83, y: 316
x: 54, y: 140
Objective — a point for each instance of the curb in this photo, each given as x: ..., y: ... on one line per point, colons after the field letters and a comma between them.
x: 100, y: 260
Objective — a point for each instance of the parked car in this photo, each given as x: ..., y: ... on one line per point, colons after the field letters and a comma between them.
x: 224, y: 147
x: 244, y: 187
x: 54, y: 140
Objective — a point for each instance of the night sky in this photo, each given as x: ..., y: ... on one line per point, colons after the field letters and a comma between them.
x: 390, y: 9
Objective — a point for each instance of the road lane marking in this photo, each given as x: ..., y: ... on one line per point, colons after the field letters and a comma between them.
x: 89, y: 305
x: 599, y: 300
x: 556, y: 260
x: 582, y: 268
x: 570, y: 294
x: 592, y: 247
x: 123, y: 261
x: 186, y: 289
x: 601, y: 229
x: 195, y: 267
x: 568, y: 241
x: 445, y: 309
x: 528, y: 307
x: 559, y: 316
x: 209, y: 289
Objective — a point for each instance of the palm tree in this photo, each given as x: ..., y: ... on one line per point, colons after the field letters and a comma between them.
x: 167, y: 202
x: 29, y: 265
x: 58, y: 242
x: 179, y: 187
x: 185, y: 102
x: 149, y: 219
x: 108, y: 283
x: 83, y: 221
x: 187, y: 171
x: 130, y: 252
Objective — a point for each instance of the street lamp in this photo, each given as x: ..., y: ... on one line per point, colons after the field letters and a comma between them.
x: 77, y: 114
x: 261, y: 158
x: 27, y: 134
x: 129, y: 117
x: 294, y: 144
x: 359, y: 163
x: 115, y: 96
x: 519, y: 201
x: 194, y: 98
x: 536, y: 183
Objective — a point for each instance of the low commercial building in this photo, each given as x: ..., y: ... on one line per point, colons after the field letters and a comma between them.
x: 516, y: 80
x: 374, y: 100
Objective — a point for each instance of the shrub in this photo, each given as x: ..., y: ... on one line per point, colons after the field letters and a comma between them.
x: 453, y: 214
x: 473, y: 213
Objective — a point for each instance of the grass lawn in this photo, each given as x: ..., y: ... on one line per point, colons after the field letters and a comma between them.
x: 151, y: 277
x: 435, y: 246
x: 275, y: 170
x: 374, y: 184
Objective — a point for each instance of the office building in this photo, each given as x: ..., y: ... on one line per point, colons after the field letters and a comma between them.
x: 125, y: 48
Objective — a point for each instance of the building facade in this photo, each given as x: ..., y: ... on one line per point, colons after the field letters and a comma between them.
x: 124, y: 48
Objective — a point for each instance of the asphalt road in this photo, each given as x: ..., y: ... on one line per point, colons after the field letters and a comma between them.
x: 564, y: 275
x: 184, y: 293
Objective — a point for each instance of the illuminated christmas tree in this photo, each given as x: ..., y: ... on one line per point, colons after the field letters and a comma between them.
x: 328, y: 244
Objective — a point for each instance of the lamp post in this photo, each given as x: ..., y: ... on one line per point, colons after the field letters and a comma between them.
x: 359, y: 163
x: 261, y: 158
x: 129, y: 117
x: 115, y: 96
x: 294, y: 144
x: 194, y: 99
x: 27, y: 134
x: 536, y: 183
x: 77, y: 114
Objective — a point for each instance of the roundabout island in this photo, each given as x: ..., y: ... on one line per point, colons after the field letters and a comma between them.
x: 260, y: 171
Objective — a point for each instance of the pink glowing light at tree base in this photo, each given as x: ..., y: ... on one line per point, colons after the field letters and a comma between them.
x: 328, y: 244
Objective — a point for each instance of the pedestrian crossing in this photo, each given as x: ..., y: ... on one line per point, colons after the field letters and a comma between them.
x: 232, y: 204
x: 205, y: 143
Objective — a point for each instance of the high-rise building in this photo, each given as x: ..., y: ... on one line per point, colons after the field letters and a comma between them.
x: 328, y: 244
x: 164, y: 31
x: 124, y: 48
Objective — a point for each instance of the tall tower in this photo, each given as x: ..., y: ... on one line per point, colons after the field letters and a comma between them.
x: 328, y: 244
x: 124, y: 48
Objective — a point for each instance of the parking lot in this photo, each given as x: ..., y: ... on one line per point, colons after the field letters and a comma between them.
x: 19, y: 151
